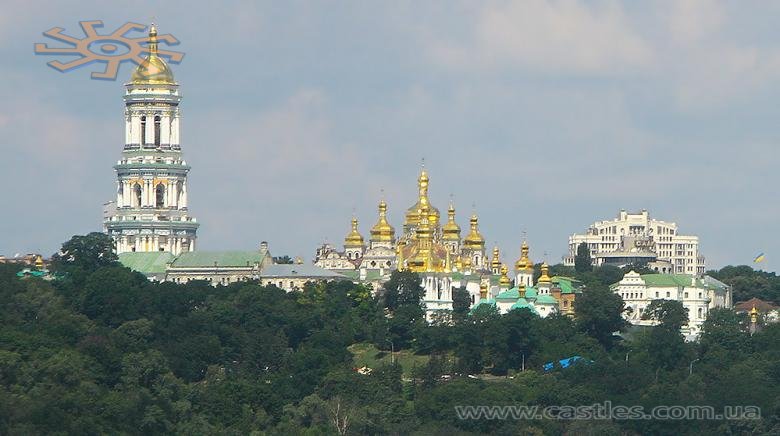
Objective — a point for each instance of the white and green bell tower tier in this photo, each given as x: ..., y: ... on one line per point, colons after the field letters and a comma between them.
x: 151, y: 211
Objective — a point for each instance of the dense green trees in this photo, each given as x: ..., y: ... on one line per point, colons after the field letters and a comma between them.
x: 582, y: 261
x: 85, y: 253
x: 748, y: 283
x: 599, y: 314
x: 103, y: 351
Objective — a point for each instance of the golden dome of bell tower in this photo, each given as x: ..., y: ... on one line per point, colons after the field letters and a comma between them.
x: 153, y: 70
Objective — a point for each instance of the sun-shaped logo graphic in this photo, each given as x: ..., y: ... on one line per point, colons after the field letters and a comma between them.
x: 112, y: 49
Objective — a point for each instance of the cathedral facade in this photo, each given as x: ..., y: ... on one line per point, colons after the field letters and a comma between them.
x: 150, y: 213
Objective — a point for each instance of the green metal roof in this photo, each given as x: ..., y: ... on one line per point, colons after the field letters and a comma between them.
x: 514, y: 293
x: 298, y: 270
x: 153, y: 262
x: 566, y: 284
x: 354, y: 274
x: 202, y: 259
x: 546, y: 299
x: 522, y: 303
x: 509, y: 294
x: 678, y: 280
x: 668, y: 280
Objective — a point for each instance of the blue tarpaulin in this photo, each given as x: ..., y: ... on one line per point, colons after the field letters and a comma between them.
x: 564, y: 363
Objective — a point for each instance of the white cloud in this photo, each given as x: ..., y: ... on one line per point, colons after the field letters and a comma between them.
x: 560, y: 36
x: 691, y: 21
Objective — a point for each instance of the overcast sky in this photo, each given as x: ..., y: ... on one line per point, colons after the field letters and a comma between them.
x: 545, y: 115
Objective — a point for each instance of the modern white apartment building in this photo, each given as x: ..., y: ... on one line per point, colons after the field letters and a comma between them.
x: 637, y: 238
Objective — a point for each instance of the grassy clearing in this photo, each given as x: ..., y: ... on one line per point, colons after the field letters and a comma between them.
x: 365, y: 354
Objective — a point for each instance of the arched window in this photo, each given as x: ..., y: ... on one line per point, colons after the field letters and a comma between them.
x: 137, y: 192
x: 179, y: 187
x: 143, y: 129
x: 159, y: 195
x: 157, y: 130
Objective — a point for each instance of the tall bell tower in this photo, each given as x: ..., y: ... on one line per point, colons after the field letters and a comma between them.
x: 151, y: 210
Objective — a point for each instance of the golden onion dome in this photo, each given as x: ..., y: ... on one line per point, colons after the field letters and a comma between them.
x: 482, y: 291
x: 545, y: 277
x: 451, y: 230
x: 353, y: 238
x: 153, y: 70
x: 382, y: 230
x: 423, y: 207
x: 474, y: 239
x: 495, y: 262
x: 524, y: 263
x: 504, y: 281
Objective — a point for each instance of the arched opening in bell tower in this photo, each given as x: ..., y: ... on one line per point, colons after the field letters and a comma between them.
x: 157, y: 130
x: 143, y: 130
x: 137, y: 196
x: 179, y: 188
x: 159, y: 196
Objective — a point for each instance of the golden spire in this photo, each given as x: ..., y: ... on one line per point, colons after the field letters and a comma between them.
x: 521, y: 290
x: 482, y: 291
x: 153, y: 70
x: 423, y: 207
x: 474, y: 239
x: 354, y: 238
x: 524, y: 263
x: 495, y: 262
x: 451, y: 230
x: 153, y: 40
x: 504, y: 281
x: 545, y: 277
x: 382, y: 230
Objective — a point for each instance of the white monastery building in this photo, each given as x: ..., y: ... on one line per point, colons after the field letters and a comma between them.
x: 697, y: 294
